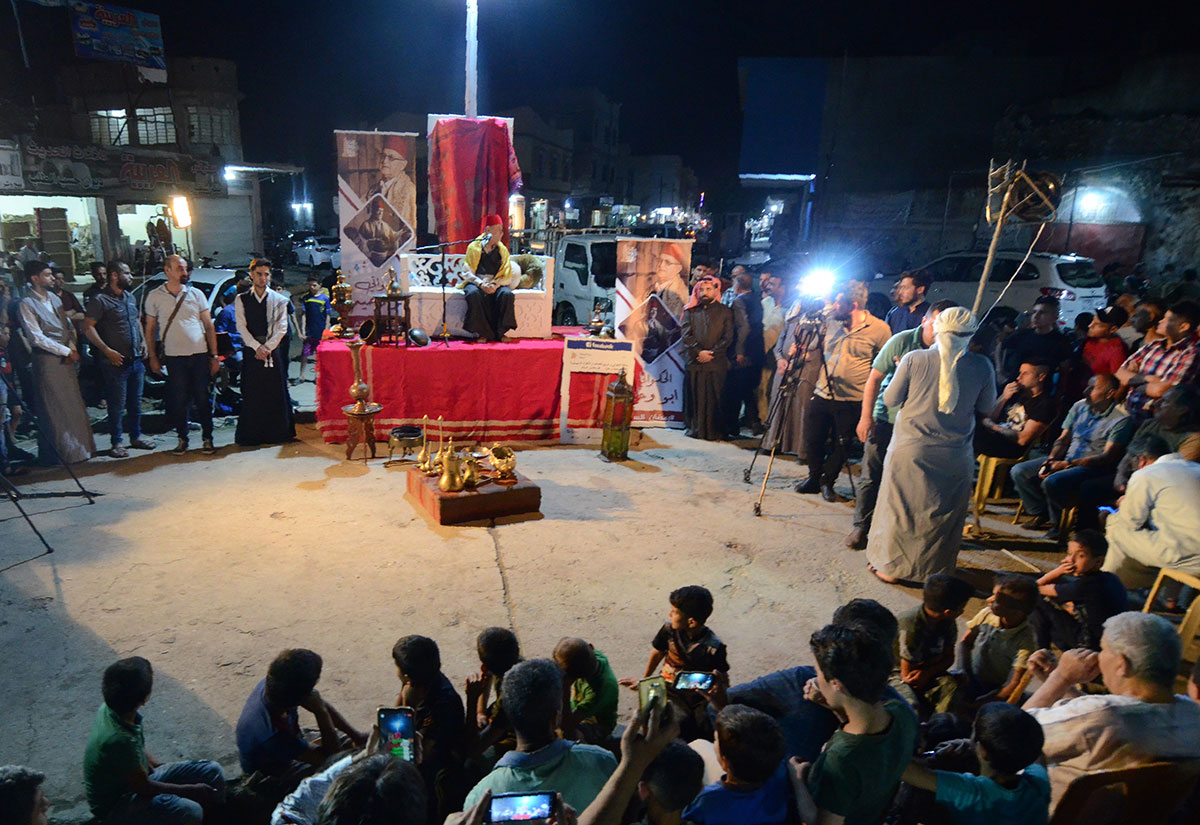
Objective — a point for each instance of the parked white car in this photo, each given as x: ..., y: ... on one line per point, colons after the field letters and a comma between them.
x: 1071, y: 279
x: 320, y: 251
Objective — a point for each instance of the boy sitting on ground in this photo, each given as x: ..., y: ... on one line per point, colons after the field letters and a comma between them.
x: 269, y: 739
x: 1012, y: 788
x: 1078, y: 596
x: 999, y: 641
x: 488, y: 732
x: 124, y: 783
x: 532, y: 697
x: 437, y: 719
x: 925, y: 643
x: 591, y: 688
x: 750, y: 749
x: 685, y: 642
x: 855, y: 777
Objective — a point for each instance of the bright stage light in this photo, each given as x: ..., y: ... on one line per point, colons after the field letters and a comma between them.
x: 181, y: 212
x: 817, y: 283
x: 1091, y: 203
x: 230, y: 174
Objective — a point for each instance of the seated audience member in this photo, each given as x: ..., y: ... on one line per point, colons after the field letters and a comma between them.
x: 532, y: 697
x: 670, y: 783
x: 1165, y: 363
x: 22, y: 801
x: 1158, y: 522
x: 685, y: 642
x: 269, y: 740
x: 124, y: 783
x: 1011, y: 788
x: 855, y: 777
x: 1042, y: 341
x: 1077, y: 596
x: 1103, y: 351
x: 999, y: 640
x: 374, y: 791
x: 807, y: 725
x: 925, y: 644
x: 1023, y: 411
x: 1079, y: 329
x: 437, y: 719
x: 1140, y: 720
x: 591, y: 687
x: 1142, y: 327
x: 487, y: 729
x: 404, y: 787
x: 1193, y: 685
x: 1092, y: 442
x: 1176, y: 421
x: 754, y: 787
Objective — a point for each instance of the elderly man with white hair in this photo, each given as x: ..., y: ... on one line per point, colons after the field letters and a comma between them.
x: 1140, y: 720
x: 917, y: 526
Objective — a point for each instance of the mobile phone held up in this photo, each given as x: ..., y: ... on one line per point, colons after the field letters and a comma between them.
x: 522, y: 807
x: 650, y: 691
x: 398, y: 732
x: 693, y: 679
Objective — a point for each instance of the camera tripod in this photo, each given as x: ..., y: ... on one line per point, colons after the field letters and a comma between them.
x: 10, y: 491
x: 809, y: 338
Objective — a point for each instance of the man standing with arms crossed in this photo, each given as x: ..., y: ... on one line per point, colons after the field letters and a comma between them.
x: 189, y: 345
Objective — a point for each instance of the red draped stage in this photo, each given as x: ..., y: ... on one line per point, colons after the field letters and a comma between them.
x: 486, y: 392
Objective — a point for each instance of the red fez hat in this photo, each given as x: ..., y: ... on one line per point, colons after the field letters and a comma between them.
x: 491, y: 220
x: 397, y: 144
x: 674, y: 250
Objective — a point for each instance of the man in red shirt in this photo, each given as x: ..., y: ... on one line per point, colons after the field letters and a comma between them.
x: 1104, y: 351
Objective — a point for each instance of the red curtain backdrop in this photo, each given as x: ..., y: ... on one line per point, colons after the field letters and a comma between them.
x: 472, y: 171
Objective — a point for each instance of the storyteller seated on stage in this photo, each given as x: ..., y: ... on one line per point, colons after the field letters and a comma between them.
x: 1022, y: 413
x: 488, y: 289
x: 269, y: 739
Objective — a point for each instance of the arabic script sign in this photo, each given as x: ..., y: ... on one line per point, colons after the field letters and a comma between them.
x: 67, y: 169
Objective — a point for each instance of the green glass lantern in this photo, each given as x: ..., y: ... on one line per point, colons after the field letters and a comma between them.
x: 618, y: 413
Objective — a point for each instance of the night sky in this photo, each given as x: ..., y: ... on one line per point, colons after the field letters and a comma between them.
x: 307, y: 68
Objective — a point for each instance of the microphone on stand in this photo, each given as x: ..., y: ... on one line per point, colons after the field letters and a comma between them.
x: 485, y: 239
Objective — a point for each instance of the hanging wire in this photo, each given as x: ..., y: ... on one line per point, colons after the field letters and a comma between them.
x: 1016, y: 271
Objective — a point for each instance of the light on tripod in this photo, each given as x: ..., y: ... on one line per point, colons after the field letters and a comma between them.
x: 817, y: 283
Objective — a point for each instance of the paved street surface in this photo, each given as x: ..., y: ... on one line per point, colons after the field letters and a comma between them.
x: 209, y: 566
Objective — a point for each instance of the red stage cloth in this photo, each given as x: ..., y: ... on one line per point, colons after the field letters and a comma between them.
x: 486, y: 392
x: 472, y: 171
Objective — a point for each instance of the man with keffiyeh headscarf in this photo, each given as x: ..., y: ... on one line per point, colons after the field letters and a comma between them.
x: 926, y: 489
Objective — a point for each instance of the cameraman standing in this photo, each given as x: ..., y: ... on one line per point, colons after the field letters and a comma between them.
x: 853, y: 337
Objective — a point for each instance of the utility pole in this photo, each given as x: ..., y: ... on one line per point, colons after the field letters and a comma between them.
x: 472, y: 101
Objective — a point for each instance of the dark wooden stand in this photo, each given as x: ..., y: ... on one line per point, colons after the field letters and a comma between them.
x: 393, y: 319
x: 360, y: 428
x: 488, y: 501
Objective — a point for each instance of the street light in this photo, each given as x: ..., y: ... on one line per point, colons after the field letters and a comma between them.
x: 472, y: 100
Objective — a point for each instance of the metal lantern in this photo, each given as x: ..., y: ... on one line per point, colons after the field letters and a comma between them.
x: 618, y: 413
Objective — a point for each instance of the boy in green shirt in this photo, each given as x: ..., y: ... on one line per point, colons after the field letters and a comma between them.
x: 856, y: 776
x: 124, y: 783
x: 590, y: 691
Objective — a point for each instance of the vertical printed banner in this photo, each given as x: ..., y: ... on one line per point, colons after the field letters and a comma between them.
x: 652, y: 290
x: 377, y: 208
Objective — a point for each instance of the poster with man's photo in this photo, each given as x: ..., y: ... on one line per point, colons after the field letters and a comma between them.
x: 377, y: 208
x: 652, y: 290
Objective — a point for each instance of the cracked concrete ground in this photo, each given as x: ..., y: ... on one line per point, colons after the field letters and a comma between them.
x: 209, y: 566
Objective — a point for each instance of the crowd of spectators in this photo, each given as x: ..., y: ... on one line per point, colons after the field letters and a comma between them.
x: 891, y: 723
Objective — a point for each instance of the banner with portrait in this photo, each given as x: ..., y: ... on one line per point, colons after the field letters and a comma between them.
x: 651, y: 292
x: 377, y: 208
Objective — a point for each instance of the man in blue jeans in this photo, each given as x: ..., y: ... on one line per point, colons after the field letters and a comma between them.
x: 189, y: 342
x: 112, y: 328
x: 1094, y: 436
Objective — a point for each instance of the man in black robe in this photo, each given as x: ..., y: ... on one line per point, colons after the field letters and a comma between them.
x: 707, y: 334
x: 747, y: 355
x: 261, y: 312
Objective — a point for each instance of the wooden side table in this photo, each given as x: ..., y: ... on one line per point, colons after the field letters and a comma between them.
x: 360, y: 426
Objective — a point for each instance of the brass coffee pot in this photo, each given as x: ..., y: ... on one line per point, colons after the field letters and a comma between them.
x: 451, y: 480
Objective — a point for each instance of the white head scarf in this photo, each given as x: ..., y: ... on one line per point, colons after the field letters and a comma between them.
x: 952, y: 329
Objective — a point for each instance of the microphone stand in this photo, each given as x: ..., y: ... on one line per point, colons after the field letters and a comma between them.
x: 443, y: 280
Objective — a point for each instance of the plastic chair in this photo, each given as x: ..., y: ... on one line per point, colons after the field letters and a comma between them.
x: 1142, y: 795
x: 1189, y: 625
x: 993, y: 472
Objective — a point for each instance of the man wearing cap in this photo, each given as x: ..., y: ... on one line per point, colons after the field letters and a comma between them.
x: 488, y: 289
x: 395, y: 186
x: 1104, y: 352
